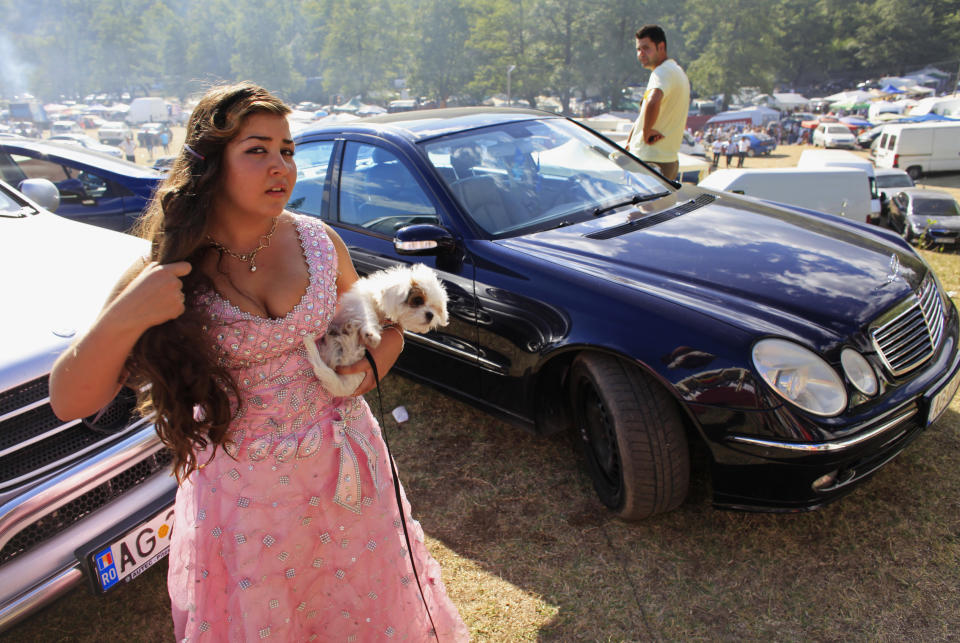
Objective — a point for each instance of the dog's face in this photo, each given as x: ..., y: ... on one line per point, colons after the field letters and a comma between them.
x: 417, y: 302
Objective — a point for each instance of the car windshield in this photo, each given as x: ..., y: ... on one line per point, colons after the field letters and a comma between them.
x: 935, y: 207
x: 837, y: 129
x: 894, y: 181
x: 12, y: 208
x: 518, y: 177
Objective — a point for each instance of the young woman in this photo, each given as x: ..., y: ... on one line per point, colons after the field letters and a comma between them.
x: 286, y: 522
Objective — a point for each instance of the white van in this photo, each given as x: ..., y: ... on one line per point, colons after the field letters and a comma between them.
x: 933, y: 146
x: 148, y: 109
x: 839, y: 190
x: 819, y: 159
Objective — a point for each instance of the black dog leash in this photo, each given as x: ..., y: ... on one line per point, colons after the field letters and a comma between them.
x: 396, y: 488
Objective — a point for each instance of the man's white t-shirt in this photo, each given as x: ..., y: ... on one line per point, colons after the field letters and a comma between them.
x: 672, y: 119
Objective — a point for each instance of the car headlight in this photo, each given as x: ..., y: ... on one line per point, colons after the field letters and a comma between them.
x: 800, y: 376
x: 858, y: 371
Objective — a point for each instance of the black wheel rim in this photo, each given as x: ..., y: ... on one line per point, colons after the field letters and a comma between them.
x: 597, y: 431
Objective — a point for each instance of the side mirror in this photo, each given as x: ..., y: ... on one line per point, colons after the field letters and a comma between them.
x: 42, y: 192
x: 423, y: 239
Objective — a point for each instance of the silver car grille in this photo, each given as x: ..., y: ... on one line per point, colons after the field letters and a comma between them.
x: 35, y: 443
x: 907, y: 336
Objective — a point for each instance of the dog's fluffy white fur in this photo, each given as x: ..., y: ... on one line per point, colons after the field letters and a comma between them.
x: 410, y: 296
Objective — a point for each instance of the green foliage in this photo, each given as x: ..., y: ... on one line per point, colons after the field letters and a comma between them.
x: 444, y: 48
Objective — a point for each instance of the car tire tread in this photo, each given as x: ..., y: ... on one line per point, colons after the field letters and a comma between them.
x: 651, y: 442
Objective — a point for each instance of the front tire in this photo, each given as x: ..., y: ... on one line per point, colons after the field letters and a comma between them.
x: 631, y: 435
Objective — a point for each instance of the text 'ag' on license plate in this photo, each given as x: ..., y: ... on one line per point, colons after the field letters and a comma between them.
x: 124, y: 557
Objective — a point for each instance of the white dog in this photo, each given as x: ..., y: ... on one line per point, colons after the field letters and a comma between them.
x: 412, y: 297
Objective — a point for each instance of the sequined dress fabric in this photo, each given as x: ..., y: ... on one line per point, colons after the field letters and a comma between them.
x: 292, y: 531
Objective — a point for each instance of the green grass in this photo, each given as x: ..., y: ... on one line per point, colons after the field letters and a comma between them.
x: 529, y: 554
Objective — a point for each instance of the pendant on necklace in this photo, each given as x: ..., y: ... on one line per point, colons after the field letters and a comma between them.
x: 253, y: 268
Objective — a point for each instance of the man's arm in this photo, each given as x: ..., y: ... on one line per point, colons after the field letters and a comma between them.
x: 648, y: 117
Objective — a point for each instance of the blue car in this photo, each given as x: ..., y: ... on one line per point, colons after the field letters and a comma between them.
x: 589, y: 294
x: 94, y: 188
x: 760, y: 144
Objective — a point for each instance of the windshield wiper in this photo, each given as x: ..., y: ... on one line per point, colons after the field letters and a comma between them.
x: 636, y: 198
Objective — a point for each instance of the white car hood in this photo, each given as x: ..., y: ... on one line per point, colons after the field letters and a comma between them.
x: 57, y: 275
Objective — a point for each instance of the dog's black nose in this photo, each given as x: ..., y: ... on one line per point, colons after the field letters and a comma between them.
x: 429, y: 316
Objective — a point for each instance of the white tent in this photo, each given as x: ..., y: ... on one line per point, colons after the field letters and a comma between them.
x: 852, y: 96
x: 756, y: 115
x: 790, y: 101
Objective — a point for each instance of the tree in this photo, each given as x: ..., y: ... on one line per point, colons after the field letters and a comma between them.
x: 440, y: 65
x: 265, y: 57
x: 734, y: 43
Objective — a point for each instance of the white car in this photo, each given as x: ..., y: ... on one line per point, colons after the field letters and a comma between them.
x: 87, y: 142
x: 85, y: 500
x: 834, y: 135
x: 113, y: 133
x: 65, y: 127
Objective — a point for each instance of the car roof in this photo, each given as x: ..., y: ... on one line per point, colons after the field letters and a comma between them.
x: 80, y: 155
x: 424, y: 124
x: 889, y: 171
x: 928, y: 194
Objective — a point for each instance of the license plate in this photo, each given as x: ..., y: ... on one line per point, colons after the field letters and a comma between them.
x: 132, y: 553
x: 941, y: 400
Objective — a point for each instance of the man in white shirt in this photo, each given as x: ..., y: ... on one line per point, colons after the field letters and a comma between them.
x: 658, y: 132
x: 742, y: 146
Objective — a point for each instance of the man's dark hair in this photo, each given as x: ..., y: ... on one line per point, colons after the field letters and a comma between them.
x: 654, y: 33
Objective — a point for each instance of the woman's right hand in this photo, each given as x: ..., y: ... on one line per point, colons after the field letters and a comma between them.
x: 154, y: 296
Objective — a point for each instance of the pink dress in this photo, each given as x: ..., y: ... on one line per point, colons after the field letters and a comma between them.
x: 292, y: 531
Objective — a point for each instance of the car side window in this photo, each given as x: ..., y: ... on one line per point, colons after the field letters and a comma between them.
x: 378, y: 192
x: 313, y: 162
x: 74, y: 184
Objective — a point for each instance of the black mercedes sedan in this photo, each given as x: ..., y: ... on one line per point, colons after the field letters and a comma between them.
x: 587, y: 293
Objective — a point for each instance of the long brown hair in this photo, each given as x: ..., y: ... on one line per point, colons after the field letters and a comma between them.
x: 179, y: 377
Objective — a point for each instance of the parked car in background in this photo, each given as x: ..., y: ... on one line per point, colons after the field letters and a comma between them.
x: 918, y: 148
x: 65, y: 127
x: 87, y: 142
x: 690, y: 146
x: 94, y: 188
x: 760, y: 144
x: 87, y: 499
x: 163, y: 163
x: 889, y: 181
x: 868, y: 136
x: 825, y: 159
x: 587, y: 293
x: 840, y: 191
x: 154, y: 130
x: 929, y: 215
x: 113, y: 133
x: 833, y: 135
x: 146, y: 109
x: 25, y: 129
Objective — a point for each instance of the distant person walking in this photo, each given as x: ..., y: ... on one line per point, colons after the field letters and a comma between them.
x: 129, y: 148
x: 717, y: 148
x: 658, y: 131
x: 730, y: 150
x: 742, y: 146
